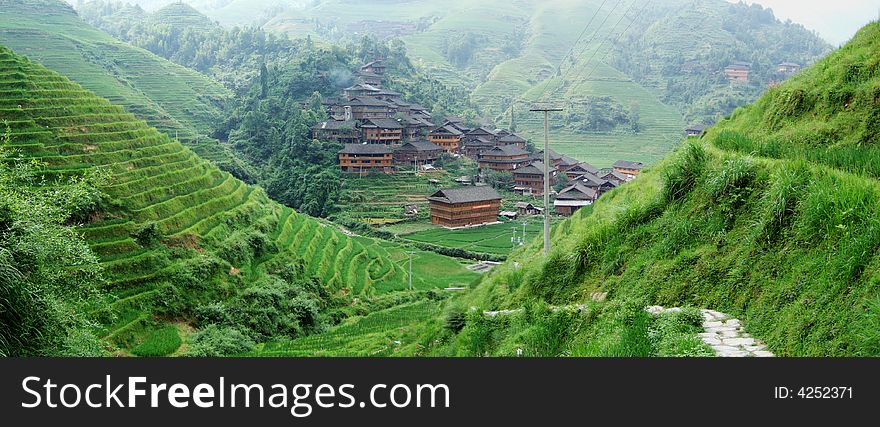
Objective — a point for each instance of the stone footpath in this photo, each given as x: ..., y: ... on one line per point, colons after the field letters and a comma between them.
x: 724, y: 334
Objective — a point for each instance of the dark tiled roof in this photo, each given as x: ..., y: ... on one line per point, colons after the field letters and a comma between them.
x: 506, y: 150
x: 375, y: 64
x: 363, y: 86
x: 365, y: 149
x: 616, y: 175
x: 592, y: 180
x: 419, y: 146
x: 480, y: 131
x: 382, y: 123
x: 553, y: 155
x: 366, y: 101
x: 534, y: 168
x: 447, y: 129
x: 577, y: 191
x: 626, y: 164
x: 584, y: 166
x: 697, y: 128
x: 512, y: 139
x: 465, y: 194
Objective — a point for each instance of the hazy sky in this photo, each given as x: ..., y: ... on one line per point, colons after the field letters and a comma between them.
x: 835, y: 20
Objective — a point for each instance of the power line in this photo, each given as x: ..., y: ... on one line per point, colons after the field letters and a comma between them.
x: 573, y: 46
x: 587, y: 45
x: 579, y: 73
x: 619, y: 36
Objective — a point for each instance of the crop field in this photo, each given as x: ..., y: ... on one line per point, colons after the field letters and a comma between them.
x: 176, y: 100
x: 193, y: 204
x: 390, y: 332
x: 492, y: 239
x: 380, y: 199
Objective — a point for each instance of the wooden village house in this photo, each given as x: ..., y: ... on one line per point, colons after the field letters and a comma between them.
x: 526, y: 209
x: 695, y: 131
x: 417, y: 153
x: 530, y: 179
x: 374, y: 67
x: 448, y: 137
x: 628, y: 168
x: 382, y: 131
x: 574, y: 197
x: 505, y: 158
x: 788, y: 68
x: 464, y: 206
x: 738, y: 72
x: 365, y: 158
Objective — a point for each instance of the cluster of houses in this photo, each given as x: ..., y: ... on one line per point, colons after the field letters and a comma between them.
x: 738, y: 71
x: 480, y: 204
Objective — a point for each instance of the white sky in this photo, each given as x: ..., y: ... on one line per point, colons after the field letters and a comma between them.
x: 835, y: 20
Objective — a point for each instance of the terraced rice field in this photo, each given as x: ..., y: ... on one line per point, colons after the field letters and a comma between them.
x: 157, y: 180
x: 381, y: 199
x: 176, y: 100
x: 383, y: 333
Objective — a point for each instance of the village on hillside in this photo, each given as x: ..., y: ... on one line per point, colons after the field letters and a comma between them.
x: 383, y: 134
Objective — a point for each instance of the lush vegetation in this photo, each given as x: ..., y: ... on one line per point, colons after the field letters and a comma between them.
x: 180, y: 102
x: 662, y: 52
x: 786, y: 241
x: 175, y: 237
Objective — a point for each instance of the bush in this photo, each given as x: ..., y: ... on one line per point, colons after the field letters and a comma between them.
x: 160, y: 342
x: 214, y: 341
x: 147, y: 235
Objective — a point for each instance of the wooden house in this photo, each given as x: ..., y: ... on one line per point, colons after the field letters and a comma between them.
x: 371, y: 79
x: 526, y: 209
x: 788, y: 68
x: 447, y: 137
x: 601, y: 186
x: 365, y: 158
x: 505, y: 158
x: 374, y: 67
x: 368, y: 108
x: 360, y: 89
x: 472, y: 147
x: 344, y: 131
x: 382, y: 131
x: 555, y: 158
x: 574, y: 197
x: 464, y: 206
x: 578, y: 170
x: 738, y: 72
x: 628, y: 168
x: 512, y: 139
x: 530, y: 179
x: 615, y: 177
x: 417, y: 153
x: 480, y: 132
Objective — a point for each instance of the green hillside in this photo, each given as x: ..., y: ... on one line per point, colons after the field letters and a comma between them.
x: 772, y: 217
x: 176, y: 232
x: 179, y: 102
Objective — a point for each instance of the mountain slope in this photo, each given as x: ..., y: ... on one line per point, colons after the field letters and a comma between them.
x: 772, y: 216
x: 177, y: 232
x: 179, y: 102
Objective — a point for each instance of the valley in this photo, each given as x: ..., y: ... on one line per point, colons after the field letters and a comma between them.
x: 355, y: 179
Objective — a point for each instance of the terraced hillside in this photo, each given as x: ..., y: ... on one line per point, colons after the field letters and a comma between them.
x: 179, y: 102
x: 773, y: 216
x: 169, y: 207
x: 380, y: 199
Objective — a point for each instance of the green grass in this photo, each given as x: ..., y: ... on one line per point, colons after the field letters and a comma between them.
x: 391, y: 332
x: 491, y: 239
x: 161, y: 342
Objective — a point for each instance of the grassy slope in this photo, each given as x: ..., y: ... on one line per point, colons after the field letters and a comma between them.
x: 194, y: 205
x: 178, y: 101
x: 773, y: 217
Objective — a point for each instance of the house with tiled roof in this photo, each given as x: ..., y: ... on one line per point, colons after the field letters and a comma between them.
x: 344, y: 131
x: 503, y: 158
x: 417, y: 153
x: 464, y: 206
x: 574, y: 197
x: 529, y: 179
x: 448, y: 137
x: 382, y: 131
x: 365, y: 158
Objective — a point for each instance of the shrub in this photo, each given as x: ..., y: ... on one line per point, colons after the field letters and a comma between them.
x: 147, y: 235
x: 214, y: 341
x: 160, y: 342
x: 682, y: 176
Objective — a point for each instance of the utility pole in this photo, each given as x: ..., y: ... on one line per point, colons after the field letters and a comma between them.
x: 546, y: 176
x: 523, y: 241
x: 513, y: 239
